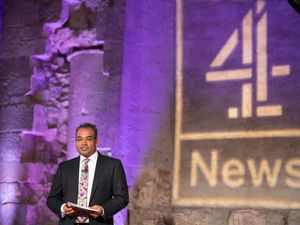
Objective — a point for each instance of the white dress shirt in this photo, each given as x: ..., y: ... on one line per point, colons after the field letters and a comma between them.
x: 92, y: 167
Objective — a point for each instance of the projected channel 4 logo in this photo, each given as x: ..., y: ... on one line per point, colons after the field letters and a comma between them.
x: 237, y: 128
x: 246, y: 109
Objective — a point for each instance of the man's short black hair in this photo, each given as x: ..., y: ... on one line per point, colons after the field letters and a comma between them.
x: 88, y: 125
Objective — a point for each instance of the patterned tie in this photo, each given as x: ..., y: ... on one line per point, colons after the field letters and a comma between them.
x: 83, y: 190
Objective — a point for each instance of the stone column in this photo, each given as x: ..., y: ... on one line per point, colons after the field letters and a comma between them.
x: 86, y: 96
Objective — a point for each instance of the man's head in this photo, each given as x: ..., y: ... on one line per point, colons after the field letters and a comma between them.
x: 86, y: 139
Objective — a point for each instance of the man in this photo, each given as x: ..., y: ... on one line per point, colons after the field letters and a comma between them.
x: 90, y: 180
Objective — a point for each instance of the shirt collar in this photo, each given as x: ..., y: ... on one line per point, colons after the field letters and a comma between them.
x: 92, y: 157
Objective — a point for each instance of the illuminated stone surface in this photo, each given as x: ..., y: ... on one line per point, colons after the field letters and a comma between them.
x: 139, y: 110
x: 246, y: 217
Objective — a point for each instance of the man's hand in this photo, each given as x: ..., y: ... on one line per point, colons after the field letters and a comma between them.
x: 70, y: 211
x: 96, y: 214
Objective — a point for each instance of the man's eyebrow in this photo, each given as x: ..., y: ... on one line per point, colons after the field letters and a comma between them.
x: 84, y: 137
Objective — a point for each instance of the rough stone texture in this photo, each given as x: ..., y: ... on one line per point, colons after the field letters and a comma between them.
x: 14, y: 18
x: 11, y: 146
x: 246, y: 217
x: 87, y: 92
x: 276, y: 217
x: 140, y: 110
x: 200, y: 216
x: 22, y: 35
x: 294, y: 218
x: 13, y: 213
x: 146, y: 118
x: 188, y: 216
x: 33, y: 133
x: 151, y: 188
x: 15, y: 171
x: 36, y: 148
x: 46, y: 143
x: 28, y: 193
x: 148, y: 216
x: 8, y: 192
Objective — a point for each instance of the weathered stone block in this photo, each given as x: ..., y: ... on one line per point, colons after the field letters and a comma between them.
x: 151, y: 188
x: 13, y: 214
x: 157, y: 217
x: 55, y: 92
x: 10, y: 147
x: 59, y: 149
x: 16, y: 88
x: 20, y: 41
x: 65, y: 104
x: 38, y: 214
x: 49, y: 177
x: 163, y: 186
x: 15, y: 67
x: 246, y: 217
x: 294, y: 217
x: 216, y: 216
x: 21, y: 13
x: 53, y: 115
x: 30, y: 144
x: 63, y: 116
x: 36, y: 148
x: 15, y: 116
x: 276, y: 218
x: 38, y: 173
x: 64, y: 81
x: 64, y: 91
x: 13, y: 171
x: 113, y: 58
x: 62, y: 133
x: 110, y: 23
x: 49, y: 10
x: 9, y: 192
x: 28, y: 193
x: 188, y: 217
x: 144, y: 189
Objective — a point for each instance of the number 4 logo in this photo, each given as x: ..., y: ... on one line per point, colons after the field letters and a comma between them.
x: 246, y: 109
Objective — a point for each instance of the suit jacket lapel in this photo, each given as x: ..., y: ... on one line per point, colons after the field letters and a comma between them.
x: 97, y: 175
x: 74, y: 179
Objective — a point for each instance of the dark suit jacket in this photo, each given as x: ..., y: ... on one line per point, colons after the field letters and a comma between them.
x: 109, y: 189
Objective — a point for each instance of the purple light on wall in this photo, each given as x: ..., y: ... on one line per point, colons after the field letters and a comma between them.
x: 86, y: 92
x: 9, y: 170
x: 147, y: 81
x: 205, y: 36
x: 1, y: 20
x: 8, y: 190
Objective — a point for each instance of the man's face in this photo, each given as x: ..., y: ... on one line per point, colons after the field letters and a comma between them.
x: 86, y: 142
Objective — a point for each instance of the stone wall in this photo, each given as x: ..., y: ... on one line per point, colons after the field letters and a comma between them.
x: 21, y: 181
x: 38, y: 37
x: 147, y: 124
x: 137, y: 119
